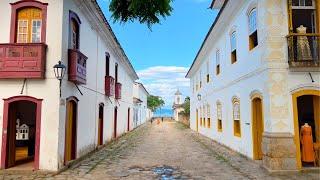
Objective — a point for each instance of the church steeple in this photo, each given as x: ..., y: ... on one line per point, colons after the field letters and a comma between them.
x: 177, y: 97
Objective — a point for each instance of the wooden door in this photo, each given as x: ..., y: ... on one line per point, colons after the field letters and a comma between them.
x: 257, y: 128
x: 115, y: 122
x: 197, y: 123
x: 71, y: 132
x: 11, y: 138
x: 100, y: 132
x: 100, y: 126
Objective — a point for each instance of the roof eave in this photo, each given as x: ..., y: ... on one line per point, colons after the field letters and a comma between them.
x: 134, y: 73
x: 207, y: 36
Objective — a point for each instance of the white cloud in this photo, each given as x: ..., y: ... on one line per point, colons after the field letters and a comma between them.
x: 164, y: 81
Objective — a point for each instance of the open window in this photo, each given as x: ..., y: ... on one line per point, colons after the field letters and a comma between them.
x: 304, y: 13
x: 77, y: 65
x: 200, y: 79
x: 219, y: 116
x: 201, y: 116
x: 233, y: 40
x: 29, y: 23
x: 208, y: 74
x: 253, y: 30
x: 74, y: 37
x: 303, y: 38
x: 208, y: 116
x: 218, y: 62
x: 107, y: 64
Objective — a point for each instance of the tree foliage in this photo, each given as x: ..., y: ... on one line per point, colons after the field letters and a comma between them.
x: 154, y: 102
x: 186, y: 106
x: 145, y: 11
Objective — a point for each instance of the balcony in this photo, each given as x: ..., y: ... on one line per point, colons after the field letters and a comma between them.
x: 77, y: 67
x: 118, y: 90
x: 27, y: 60
x: 304, y: 52
x: 109, y: 86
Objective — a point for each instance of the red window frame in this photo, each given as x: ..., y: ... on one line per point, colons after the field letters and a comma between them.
x: 15, y: 7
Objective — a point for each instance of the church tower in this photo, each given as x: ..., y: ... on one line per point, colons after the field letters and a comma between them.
x: 178, y: 97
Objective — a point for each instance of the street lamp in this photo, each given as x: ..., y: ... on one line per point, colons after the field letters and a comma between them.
x: 59, y: 72
x: 199, y: 97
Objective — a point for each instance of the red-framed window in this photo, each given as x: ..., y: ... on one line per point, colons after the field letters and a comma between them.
x: 28, y: 22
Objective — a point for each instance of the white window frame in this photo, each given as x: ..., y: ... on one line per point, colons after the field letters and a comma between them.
x: 218, y: 54
x: 32, y: 34
x: 304, y: 6
x: 20, y: 33
x: 219, y: 111
x: 236, y: 110
x: 253, y: 24
x: 233, y: 41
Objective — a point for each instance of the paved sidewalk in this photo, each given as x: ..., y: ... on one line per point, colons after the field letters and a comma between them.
x: 166, y: 151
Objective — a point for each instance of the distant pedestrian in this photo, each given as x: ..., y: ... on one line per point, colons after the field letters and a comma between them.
x: 162, y: 119
x: 151, y: 120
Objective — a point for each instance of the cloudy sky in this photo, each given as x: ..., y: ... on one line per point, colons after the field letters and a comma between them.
x: 163, y: 56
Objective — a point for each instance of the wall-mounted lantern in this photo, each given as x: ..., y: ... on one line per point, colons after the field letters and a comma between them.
x: 199, y: 97
x: 59, y: 72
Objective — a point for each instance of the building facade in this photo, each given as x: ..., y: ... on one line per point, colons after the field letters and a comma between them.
x: 255, y: 81
x: 141, y: 111
x: 95, y: 103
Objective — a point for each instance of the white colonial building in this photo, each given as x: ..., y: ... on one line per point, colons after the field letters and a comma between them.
x: 177, y: 105
x: 141, y: 111
x: 95, y: 104
x: 255, y: 81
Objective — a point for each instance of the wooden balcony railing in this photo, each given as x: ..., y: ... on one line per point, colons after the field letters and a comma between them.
x: 109, y: 86
x: 303, y: 51
x: 77, y: 68
x: 118, y: 90
x: 22, y: 60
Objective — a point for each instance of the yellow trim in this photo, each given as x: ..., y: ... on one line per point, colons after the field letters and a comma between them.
x: 197, y: 123
x: 254, y: 125
x: 318, y: 12
x: 236, y: 129
x: 295, y: 120
x: 219, y: 125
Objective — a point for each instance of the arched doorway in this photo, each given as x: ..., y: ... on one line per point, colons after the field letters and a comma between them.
x: 128, y: 126
x: 115, y: 122
x: 306, y: 105
x: 71, y: 130
x: 100, y: 125
x: 257, y: 127
x: 21, y: 132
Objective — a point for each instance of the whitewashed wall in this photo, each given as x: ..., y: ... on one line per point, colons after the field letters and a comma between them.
x: 94, y: 46
x: 46, y: 89
x: 141, y: 109
x: 248, y: 74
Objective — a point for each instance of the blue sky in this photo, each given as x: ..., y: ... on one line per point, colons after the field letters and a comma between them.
x: 162, y: 56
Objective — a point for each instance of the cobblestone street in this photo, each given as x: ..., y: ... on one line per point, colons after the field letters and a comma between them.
x: 168, y: 151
